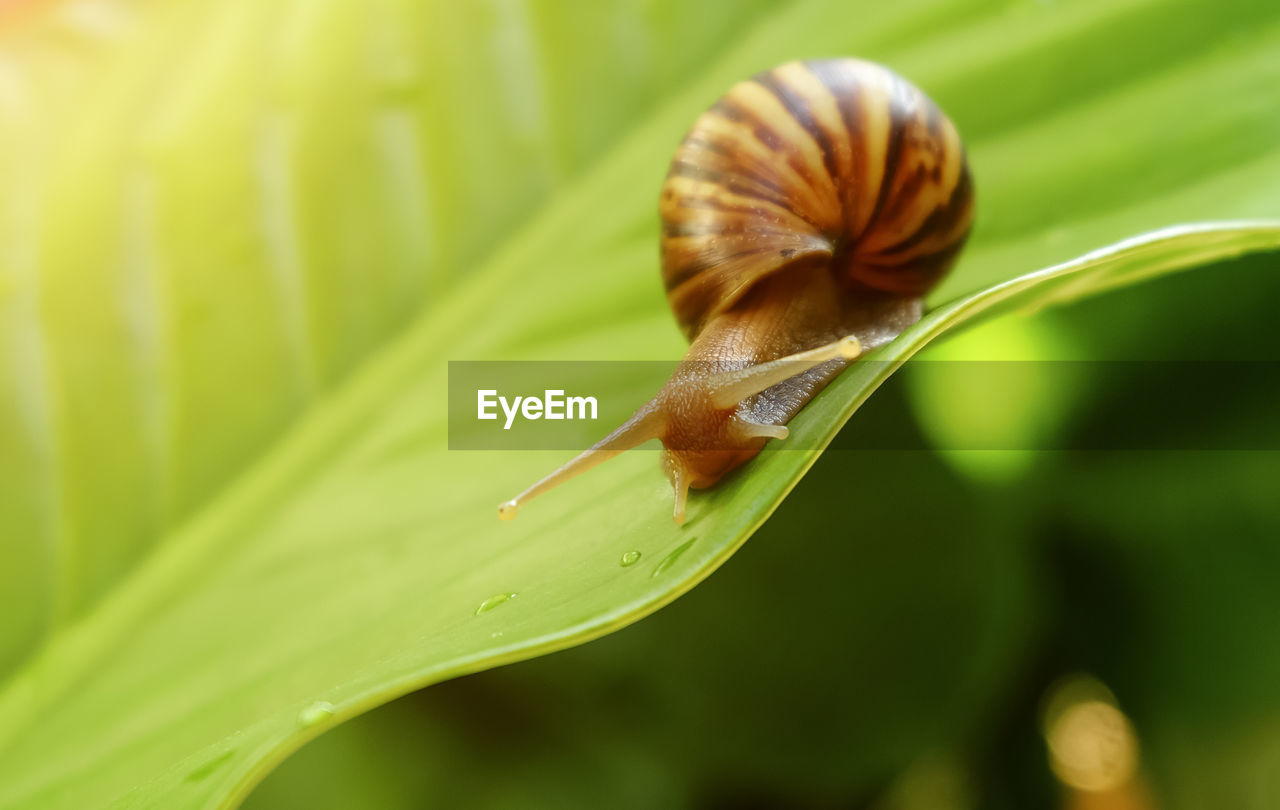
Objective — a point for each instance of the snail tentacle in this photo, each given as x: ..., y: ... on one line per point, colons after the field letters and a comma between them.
x: 747, y: 429
x: 728, y: 388
x: 645, y: 424
x: 680, y: 484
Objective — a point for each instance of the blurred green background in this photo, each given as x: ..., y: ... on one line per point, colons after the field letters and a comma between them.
x: 215, y: 215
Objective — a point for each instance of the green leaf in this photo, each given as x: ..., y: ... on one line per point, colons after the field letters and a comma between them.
x: 229, y: 291
x: 213, y: 212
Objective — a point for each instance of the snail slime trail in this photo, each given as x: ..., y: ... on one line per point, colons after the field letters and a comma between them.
x: 804, y: 217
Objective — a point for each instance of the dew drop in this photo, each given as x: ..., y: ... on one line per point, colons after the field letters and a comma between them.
x: 629, y: 559
x: 317, y: 712
x: 670, y: 559
x: 204, y: 770
x: 498, y: 634
x: 493, y: 601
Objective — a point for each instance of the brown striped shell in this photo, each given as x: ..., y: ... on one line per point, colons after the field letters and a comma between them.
x: 840, y: 162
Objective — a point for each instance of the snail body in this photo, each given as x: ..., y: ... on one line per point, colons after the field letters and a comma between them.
x: 804, y: 218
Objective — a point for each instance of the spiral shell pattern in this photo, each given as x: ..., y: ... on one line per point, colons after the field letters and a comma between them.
x: 839, y: 161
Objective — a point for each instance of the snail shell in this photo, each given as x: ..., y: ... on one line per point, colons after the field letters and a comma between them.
x: 804, y: 217
x: 840, y: 162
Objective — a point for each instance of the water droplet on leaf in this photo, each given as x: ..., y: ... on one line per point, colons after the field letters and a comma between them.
x: 493, y: 601
x: 317, y: 712
x: 670, y: 559
x: 204, y: 770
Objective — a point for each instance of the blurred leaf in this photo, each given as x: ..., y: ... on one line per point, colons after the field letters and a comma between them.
x: 212, y: 212
x: 988, y: 399
x: 211, y: 247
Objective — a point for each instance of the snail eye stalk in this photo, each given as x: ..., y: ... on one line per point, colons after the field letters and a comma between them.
x: 728, y: 388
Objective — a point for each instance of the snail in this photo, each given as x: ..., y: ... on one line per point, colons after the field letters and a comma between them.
x: 804, y: 217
